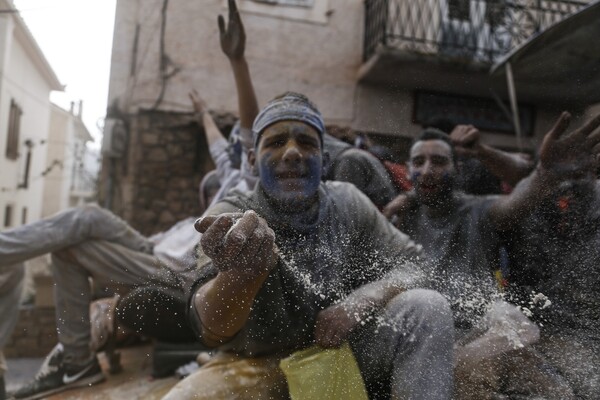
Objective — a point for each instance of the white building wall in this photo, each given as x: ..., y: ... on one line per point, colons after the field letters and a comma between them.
x: 60, y: 140
x: 69, y: 166
x: 27, y: 79
x: 22, y: 83
x: 316, y: 52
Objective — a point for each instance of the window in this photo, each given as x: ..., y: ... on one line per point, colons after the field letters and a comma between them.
x: 8, y: 212
x: 484, y: 113
x: 25, y: 183
x: 14, y: 126
x: 458, y: 9
x: 299, y: 3
x: 311, y: 11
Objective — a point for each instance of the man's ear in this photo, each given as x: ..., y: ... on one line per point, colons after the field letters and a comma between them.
x: 252, y: 161
x: 409, y: 172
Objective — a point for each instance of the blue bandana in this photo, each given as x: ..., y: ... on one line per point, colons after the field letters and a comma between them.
x: 289, y: 106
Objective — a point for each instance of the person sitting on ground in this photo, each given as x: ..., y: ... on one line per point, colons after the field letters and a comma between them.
x: 555, y: 260
x: 137, y: 309
x: 458, y: 231
x: 298, y: 261
x: 481, y: 169
x: 86, y: 242
x: 92, y: 242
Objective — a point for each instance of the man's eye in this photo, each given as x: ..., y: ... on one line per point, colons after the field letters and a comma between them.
x: 276, y: 143
x: 308, y: 142
x: 439, y: 160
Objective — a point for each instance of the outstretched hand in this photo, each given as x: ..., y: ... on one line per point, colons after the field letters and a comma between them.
x: 240, y: 242
x: 233, y: 37
x: 561, y: 152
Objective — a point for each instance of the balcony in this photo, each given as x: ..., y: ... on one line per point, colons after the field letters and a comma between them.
x: 449, y: 35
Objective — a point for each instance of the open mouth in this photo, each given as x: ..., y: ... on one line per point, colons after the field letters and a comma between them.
x: 427, y: 187
x: 291, y: 175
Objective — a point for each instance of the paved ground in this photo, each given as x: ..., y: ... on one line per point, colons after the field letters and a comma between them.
x: 21, y: 370
x: 133, y: 383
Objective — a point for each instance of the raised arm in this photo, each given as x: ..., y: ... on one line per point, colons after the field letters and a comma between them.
x: 506, y: 166
x: 217, y: 145
x: 233, y: 44
x: 561, y: 156
x: 242, y: 249
x: 204, y: 119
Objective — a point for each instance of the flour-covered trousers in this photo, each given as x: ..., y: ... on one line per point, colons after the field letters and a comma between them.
x: 85, y: 242
x: 11, y: 286
x: 405, y: 354
x: 410, y: 346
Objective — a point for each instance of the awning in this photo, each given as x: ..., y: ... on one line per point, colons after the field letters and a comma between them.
x: 561, y: 64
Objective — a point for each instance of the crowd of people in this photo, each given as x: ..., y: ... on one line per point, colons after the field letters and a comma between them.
x: 444, y: 284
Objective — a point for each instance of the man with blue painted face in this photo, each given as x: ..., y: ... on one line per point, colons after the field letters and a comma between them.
x: 298, y: 261
x: 459, y: 234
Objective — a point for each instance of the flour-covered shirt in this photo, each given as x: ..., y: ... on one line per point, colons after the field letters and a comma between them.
x: 348, y: 245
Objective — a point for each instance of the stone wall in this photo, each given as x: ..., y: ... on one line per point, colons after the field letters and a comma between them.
x: 35, y: 334
x: 157, y: 183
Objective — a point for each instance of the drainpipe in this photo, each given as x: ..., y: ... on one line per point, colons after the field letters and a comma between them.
x: 512, y: 93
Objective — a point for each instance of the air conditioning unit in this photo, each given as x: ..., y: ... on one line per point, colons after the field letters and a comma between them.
x: 114, y: 141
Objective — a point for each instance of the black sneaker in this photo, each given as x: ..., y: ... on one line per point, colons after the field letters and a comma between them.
x: 55, y: 376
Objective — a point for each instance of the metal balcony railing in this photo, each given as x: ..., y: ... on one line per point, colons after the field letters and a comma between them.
x: 469, y: 30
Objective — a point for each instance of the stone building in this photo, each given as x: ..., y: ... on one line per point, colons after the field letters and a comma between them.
x: 382, y: 67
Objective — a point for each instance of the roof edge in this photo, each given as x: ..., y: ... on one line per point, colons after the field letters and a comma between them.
x: 31, y: 46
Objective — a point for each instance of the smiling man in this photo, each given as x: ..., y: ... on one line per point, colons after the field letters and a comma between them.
x: 460, y: 241
x: 297, y: 262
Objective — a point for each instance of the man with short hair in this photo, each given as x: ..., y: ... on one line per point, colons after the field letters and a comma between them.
x: 459, y: 232
x: 297, y: 262
x: 85, y: 242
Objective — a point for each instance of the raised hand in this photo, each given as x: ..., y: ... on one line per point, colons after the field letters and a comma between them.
x: 233, y: 37
x: 200, y: 106
x: 243, y: 243
x: 466, y: 139
x: 578, y: 149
